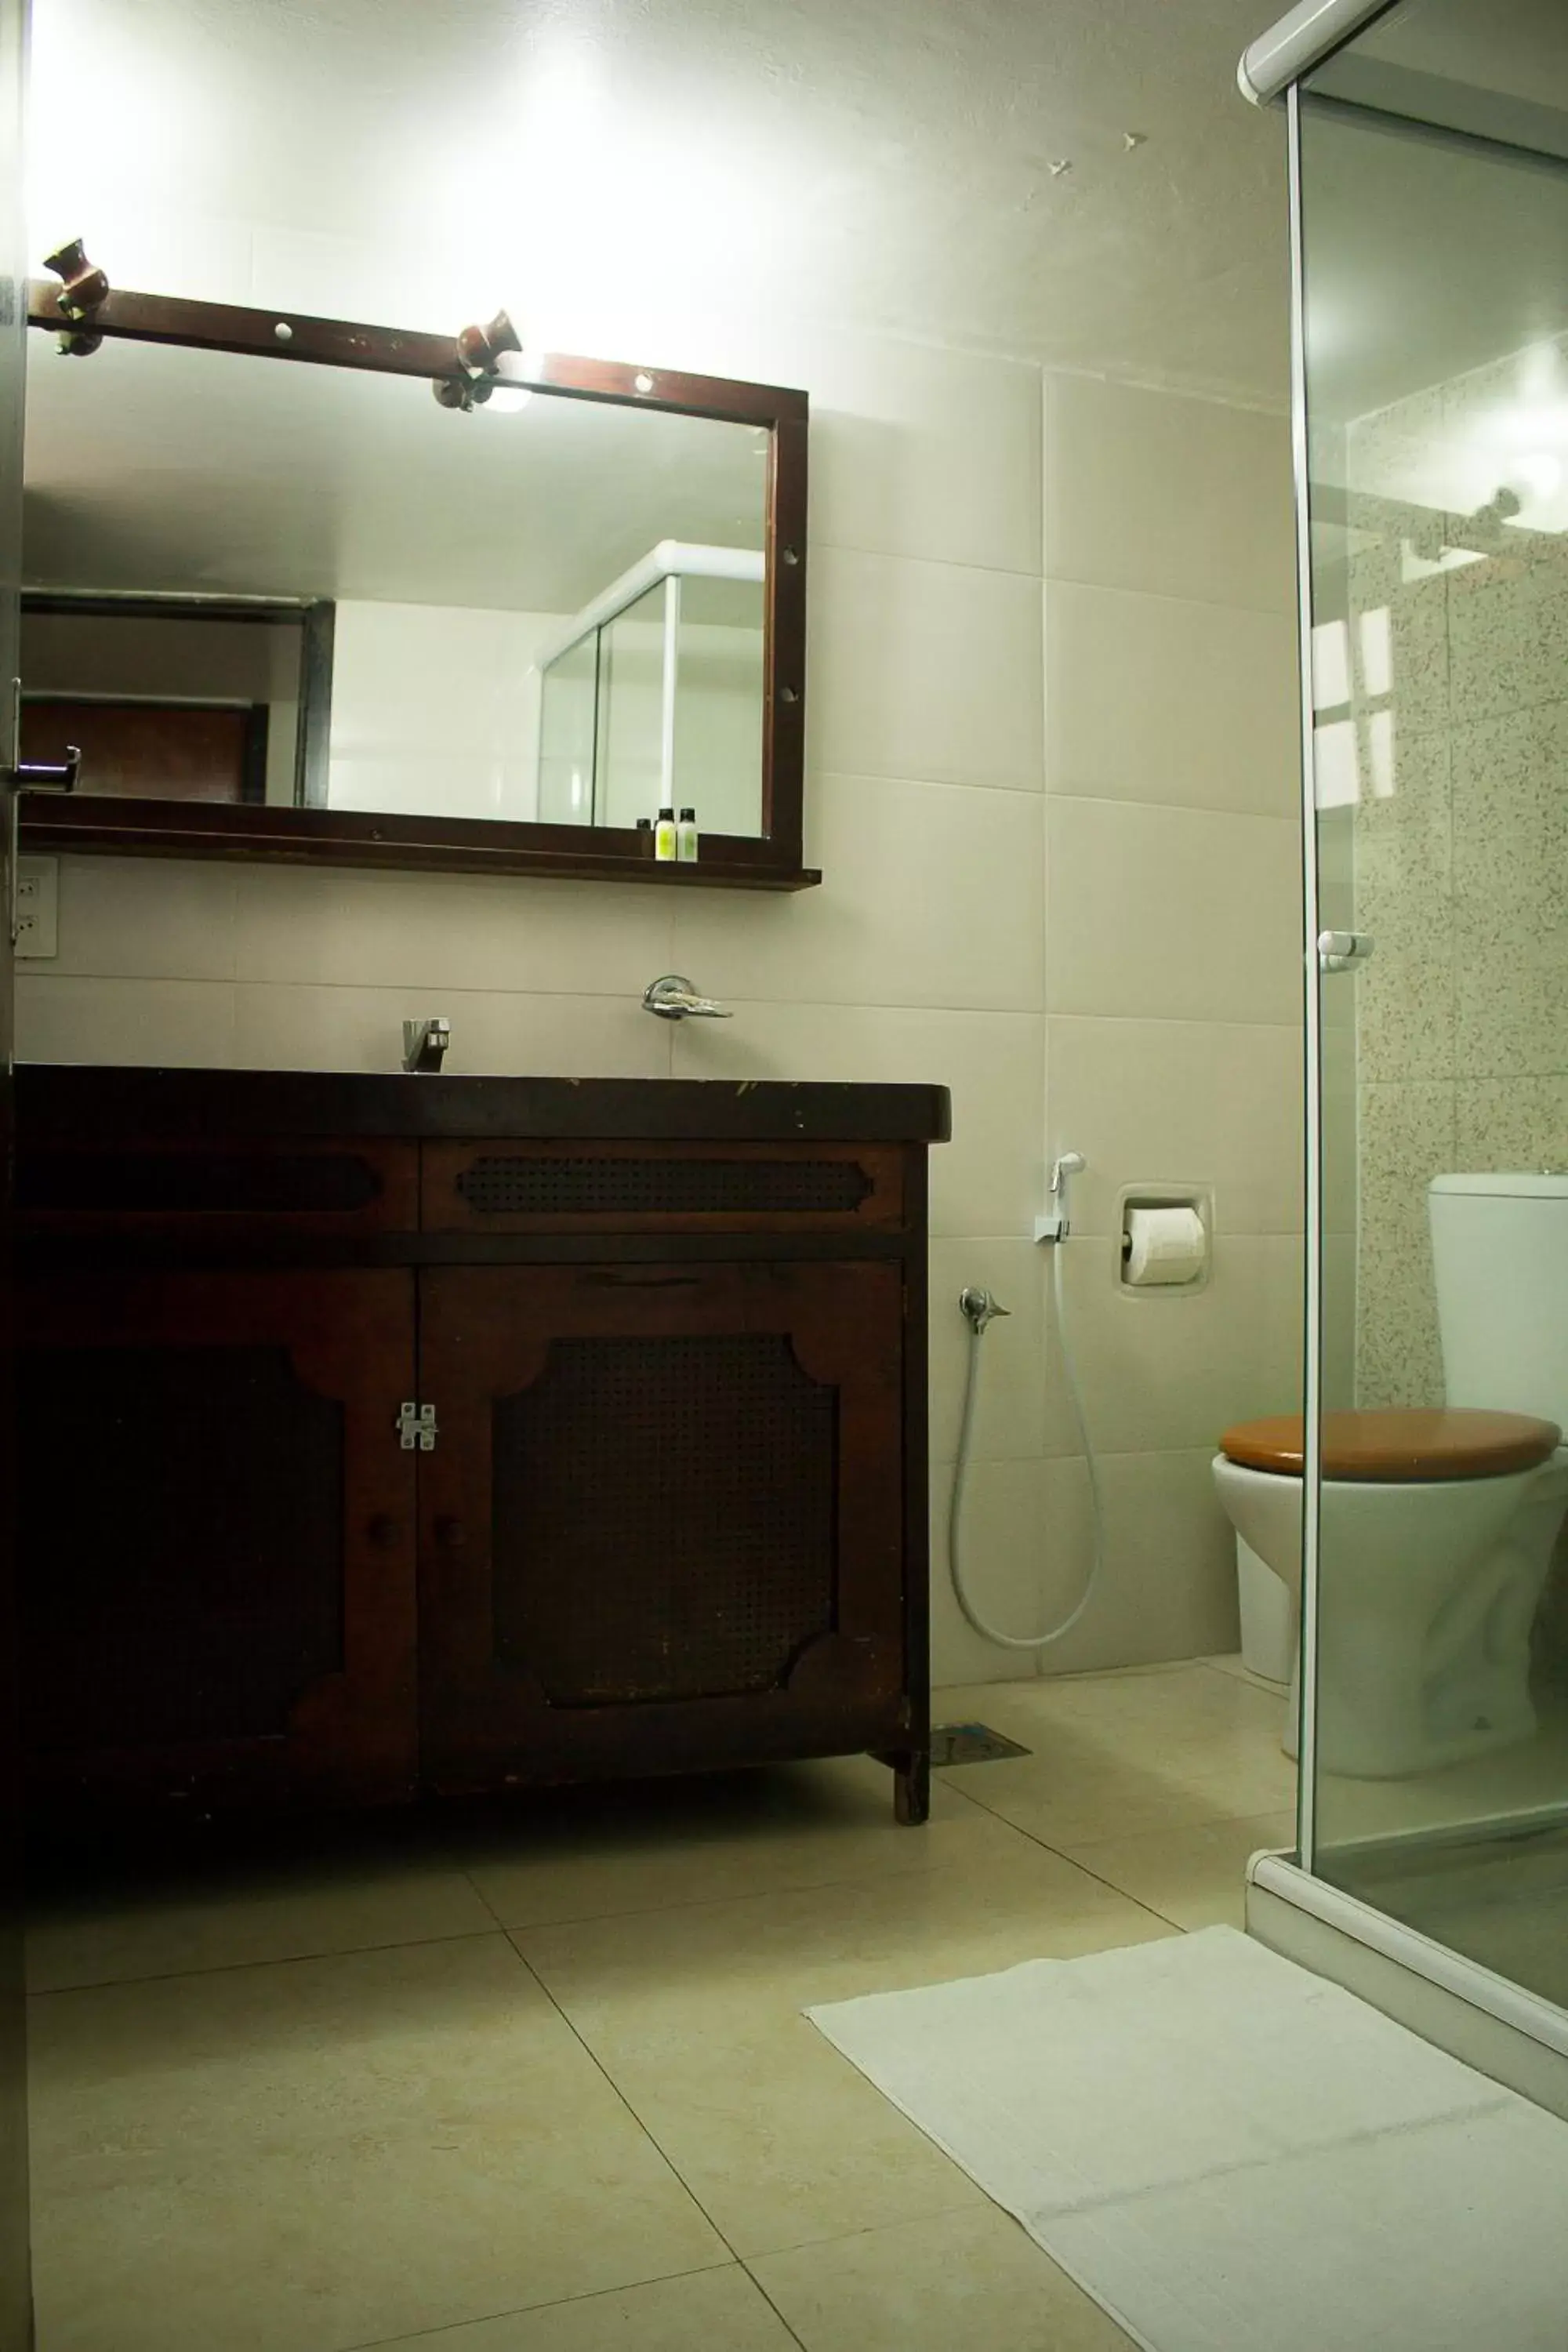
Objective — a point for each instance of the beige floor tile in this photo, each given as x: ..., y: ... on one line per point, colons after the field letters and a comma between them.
x: 1193, y: 1877
x: 267, y: 1914
x: 709, y: 2311
x: 313, y: 2155
x: 1241, y: 1673
x: 695, y: 2014
x: 594, y: 1853
x: 966, y: 2279
x: 1113, y: 1754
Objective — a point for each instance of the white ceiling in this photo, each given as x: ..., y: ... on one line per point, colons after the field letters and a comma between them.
x: 613, y: 170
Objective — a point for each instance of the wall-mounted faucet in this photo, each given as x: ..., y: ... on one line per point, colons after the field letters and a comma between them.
x: 425, y: 1043
x: 674, y: 999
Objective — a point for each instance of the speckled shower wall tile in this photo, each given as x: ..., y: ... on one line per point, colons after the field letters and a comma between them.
x: 1512, y: 1123
x: 1390, y: 452
x: 1507, y: 633
x: 1400, y: 639
x: 1404, y: 996
x: 1407, y: 1136
x: 1510, y: 893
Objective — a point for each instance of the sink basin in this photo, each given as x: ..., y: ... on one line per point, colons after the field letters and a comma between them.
x: 67, y: 1099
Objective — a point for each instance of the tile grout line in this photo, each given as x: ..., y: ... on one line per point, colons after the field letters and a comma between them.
x: 524, y: 2310
x: 662, y: 2153
x: 274, y: 1961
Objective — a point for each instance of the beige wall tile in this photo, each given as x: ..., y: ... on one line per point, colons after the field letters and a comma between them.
x: 145, y: 917
x: 1182, y: 498
x: 1174, y: 914
x: 1165, y: 1372
x: 988, y: 1179
x: 1162, y: 1101
x: 186, y: 1023
x: 933, y: 894
x: 1021, y: 1408
x: 1162, y: 698
x: 1168, y: 1587
x: 450, y: 931
x: 1005, y: 1535
x: 923, y: 453
x: 287, y: 1028
x: 929, y: 671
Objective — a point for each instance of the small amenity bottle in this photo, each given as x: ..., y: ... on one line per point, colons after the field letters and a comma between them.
x: 664, y: 837
x: 644, y: 837
x: 688, y: 837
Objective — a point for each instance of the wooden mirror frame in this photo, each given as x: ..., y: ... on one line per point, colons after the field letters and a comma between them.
x: 769, y: 861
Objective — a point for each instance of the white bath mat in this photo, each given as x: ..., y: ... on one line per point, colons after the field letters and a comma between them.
x: 1232, y: 2156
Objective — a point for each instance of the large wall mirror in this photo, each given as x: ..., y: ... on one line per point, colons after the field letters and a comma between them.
x: 288, y: 603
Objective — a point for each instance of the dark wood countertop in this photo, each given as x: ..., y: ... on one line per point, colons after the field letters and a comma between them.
x: 77, y: 1103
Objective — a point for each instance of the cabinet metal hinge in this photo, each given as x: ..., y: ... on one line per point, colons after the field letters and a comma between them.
x: 416, y: 1427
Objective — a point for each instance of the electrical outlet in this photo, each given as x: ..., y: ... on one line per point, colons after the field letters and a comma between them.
x: 37, y: 906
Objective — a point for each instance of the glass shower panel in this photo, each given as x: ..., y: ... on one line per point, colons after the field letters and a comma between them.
x: 718, y: 704
x: 632, y: 703
x: 1435, y: 272
x: 568, y: 723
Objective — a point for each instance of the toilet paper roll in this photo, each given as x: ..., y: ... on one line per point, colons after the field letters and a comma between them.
x: 1166, y: 1245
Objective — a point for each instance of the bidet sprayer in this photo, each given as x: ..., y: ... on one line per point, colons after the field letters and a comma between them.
x: 1056, y: 1226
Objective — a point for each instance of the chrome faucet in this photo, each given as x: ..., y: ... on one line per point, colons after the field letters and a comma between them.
x: 674, y: 999
x: 425, y: 1043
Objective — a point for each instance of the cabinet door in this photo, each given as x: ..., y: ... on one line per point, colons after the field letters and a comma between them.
x: 663, y: 1524
x: 217, y: 1535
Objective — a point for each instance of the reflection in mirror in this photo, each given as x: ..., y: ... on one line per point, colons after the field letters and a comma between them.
x: 314, y: 586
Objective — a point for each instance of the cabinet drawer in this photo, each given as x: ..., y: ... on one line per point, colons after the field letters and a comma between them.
x: 525, y: 1187
x: 206, y: 1183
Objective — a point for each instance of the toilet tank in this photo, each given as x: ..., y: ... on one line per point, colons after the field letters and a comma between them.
x: 1499, y: 1244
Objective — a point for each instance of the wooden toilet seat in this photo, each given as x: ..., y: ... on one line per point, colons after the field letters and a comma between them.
x: 1398, y: 1446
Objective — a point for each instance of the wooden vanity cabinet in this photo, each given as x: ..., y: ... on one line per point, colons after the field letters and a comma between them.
x: 217, y: 1539
x: 467, y: 1460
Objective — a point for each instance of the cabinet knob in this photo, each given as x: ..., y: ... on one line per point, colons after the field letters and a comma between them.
x: 383, y: 1530
x: 451, y: 1534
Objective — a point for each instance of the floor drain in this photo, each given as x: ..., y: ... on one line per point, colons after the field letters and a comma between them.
x: 970, y: 1743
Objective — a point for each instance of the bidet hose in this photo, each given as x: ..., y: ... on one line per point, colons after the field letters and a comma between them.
x: 960, y: 1479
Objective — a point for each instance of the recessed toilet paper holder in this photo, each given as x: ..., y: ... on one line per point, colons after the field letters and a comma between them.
x: 1150, y: 1194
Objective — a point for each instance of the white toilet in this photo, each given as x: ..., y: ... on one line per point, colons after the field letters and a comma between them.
x: 1437, y: 1525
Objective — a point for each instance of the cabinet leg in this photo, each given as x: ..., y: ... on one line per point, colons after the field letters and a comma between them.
x: 912, y: 1787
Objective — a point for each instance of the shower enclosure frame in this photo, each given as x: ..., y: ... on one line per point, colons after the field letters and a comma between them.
x: 1488, y: 2020
x: 670, y: 562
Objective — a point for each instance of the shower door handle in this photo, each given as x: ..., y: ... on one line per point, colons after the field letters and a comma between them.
x: 1343, y: 951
